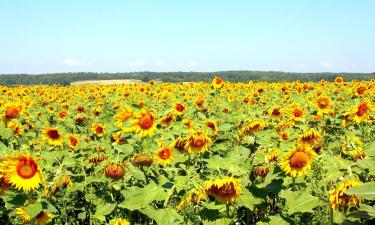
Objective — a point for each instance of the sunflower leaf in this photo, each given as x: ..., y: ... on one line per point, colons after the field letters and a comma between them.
x: 366, y: 190
x: 299, y: 201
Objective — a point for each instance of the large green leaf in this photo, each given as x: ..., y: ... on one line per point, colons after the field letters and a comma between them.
x: 104, y: 209
x: 222, y: 221
x: 366, y: 190
x: 272, y: 220
x: 163, y: 216
x: 299, y: 201
x: 138, y: 198
x: 248, y: 200
x: 34, y: 209
x: 364, y: 212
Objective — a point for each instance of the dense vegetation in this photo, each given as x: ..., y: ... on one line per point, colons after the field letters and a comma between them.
x: 235, y: 76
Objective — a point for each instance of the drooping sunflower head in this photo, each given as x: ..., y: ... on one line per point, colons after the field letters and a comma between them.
x: 192, y: 198
x: 164, y: 155
x: 227, y: 189
x: 180, y: 144
x: 339, y: 200
x: 144, y: 124
x: 168, y: 119
x: 142, y: 160
x: 298, y: 160
x: 352, y: 147
x: 53, y: 136
x: 22, y: 172
x: 309, y: 137
x: 98, y: 129
x: 114, y: 171
x: 119, y: 221
x: 212, y: 125
x: 272, y: 156
x: 197, y: 142
x: 43, y: 218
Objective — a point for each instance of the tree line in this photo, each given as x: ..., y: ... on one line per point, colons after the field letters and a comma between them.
x: 236, y: 76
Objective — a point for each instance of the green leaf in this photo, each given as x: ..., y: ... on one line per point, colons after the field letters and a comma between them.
x: 125, y: 149
x: 366, y: 190
x: 248, y: 200
x: 364, y: 212
x: 163, y: 216
x: 138, y: 198
x: 6, y: 133
x: 223, y: 221
x: 104, y: 209
x: 299, y: 201
x: 34, y: 209
x: 272, y: 220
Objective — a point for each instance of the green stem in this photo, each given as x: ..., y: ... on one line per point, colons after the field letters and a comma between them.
x: 227, y: 207
x: 331, y: 216
x: 294, y: 184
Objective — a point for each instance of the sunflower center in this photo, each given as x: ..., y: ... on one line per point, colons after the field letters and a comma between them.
x: 199, y: 142
x: 323, y: 103
x: 180, y: 107
x: 362, y: 109
x: 26, y: 168
x: 73, y: 141
x: 99, y: 129
x: 146, y: 122
x: 276, y: 112
x: 53, y: 134
x: 361, y: 90
x: 298, y: 160
x: 297, y: 113
x: 218, y: 81
x: 164, y: 154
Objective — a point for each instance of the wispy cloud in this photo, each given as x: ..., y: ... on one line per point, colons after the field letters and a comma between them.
x: 71, y: 62
x: 192, y: 63
x: 137, y: 63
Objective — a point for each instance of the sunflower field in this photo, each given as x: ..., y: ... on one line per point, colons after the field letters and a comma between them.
x: 188, y: 153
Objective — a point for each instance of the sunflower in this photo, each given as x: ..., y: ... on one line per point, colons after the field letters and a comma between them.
x: 297, y: 113
x: 122, y: 116
x: 62, y: 115
x: 339, y: 80
x: 114, y: 171
x: 144, y: 123
x: 164, y: 155
x: 197, y: 142
x: 21, y: 212
x: 73, y: 140
x: 11, y: 111
x: 22, y: 171
x: 4, y: 184
x: 298, y: 160
x: 53, y: 136
x: 98, y: 129
x: 361, y: 112
x: 16, y: 127
x: 212, y: 125
x: 217, y: 82
x: 275, y: 112
x: 142, y: 160
x: 252, y: 127
x: 180, y: 144
x: 199, y: 102
x: 179, y: 108
x: 310, y: 137
x: 168, y: 119
x: 272, y: 156
x: 192, y: 198
x: 323, y: 104
x: 118, y: 221
x: 227, y: 189
x: 43, y: 218
x: 352, y: 147
x: 339, y: 200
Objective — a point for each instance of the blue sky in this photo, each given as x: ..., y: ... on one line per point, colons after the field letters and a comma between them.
x: 196, y: 35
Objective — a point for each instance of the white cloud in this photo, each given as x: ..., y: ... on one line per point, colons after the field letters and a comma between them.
x: 326, y: 65
x: 192, y: 63
x: 71, y: 62
x: 137, y: 63
x: 160, y: 63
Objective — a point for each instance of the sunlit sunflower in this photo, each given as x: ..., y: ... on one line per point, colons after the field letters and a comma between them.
x: 122, y: 116
x: 62, y: 115
x: 272, y: 156
x: 297, y: 113
x: 339, y: 80
x: 276, y: 112
x: 360, y: 91
x: 16, y: 127
x: 179, y: 108
x: 168, y: 119
x: 164, y: 155
x: 199, y: 102
x: 323, y: 104
x: 180, y: 144
x: 310, y: 137
x: 227, y: 189
x: 253, y: 126
x: 217, y: 82
x: 144, y: 123
x: 352, y: 147
x: 73, y: 140
x: 21, y: 212
x: 197, y: 142
x: 53, y: 136
x: 98, y: 129
x: 118, y: 221
x: 192, y: 198
x: 298, y: 160
x: 284, y: 135
x: 361, y: 112
x: 22, y: 171
x: 339, y: 200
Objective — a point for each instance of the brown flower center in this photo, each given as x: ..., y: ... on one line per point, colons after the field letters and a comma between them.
x: 26, y: 168
x: 298, y: 160
x: 53, y: 134
x: 146, y: 122
x: 362, y: 109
